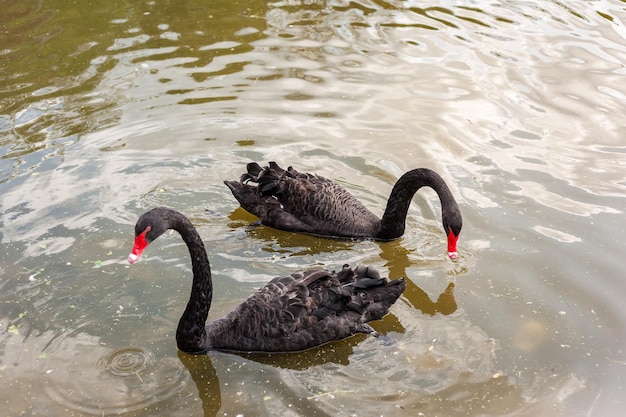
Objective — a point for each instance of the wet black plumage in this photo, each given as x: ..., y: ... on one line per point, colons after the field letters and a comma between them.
x: 307, y: 203
x: 291, y: 313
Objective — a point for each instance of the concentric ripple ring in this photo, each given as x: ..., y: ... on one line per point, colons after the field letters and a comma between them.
x: 126, y: 362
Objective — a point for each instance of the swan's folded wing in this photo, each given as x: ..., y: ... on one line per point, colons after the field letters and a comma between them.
x: 302, y: 202
x: 305, y: 309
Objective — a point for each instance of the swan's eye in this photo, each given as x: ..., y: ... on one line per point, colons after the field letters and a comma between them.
x: 362, y: 295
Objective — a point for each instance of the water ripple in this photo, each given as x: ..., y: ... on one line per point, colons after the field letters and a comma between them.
x: 126, y: 362
x: 122, y: 381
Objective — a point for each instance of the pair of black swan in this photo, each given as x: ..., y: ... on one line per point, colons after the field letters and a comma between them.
x: 307, y: 308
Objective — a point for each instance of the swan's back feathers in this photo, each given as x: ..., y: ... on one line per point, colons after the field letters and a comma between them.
x: 302, y: 202
x: 306, y: 309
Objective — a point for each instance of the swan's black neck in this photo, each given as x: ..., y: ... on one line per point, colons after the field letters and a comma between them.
x: 393, y: 221
x: 191, y: 336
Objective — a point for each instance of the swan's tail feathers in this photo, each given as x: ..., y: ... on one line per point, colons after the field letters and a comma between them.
x: 367, y: 277
x: 248, y: 198
x: 314, y: 276
x: 266, y: 179
x: 346, y: 275
x: 276, y: 169
x: 366, y: 328
x: 377, y: 300
x: 254, y: 170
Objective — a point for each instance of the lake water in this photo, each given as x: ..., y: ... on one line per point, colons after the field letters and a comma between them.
x: 110, y: 108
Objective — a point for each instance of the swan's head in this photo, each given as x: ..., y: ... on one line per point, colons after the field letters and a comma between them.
x: 452, y: 224
x: 140, y: 244
x: 452, y: 239
x: 150, y: 225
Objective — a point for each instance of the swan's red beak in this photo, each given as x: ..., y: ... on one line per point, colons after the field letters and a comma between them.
x: 140, y: 244
x: 452, y: 239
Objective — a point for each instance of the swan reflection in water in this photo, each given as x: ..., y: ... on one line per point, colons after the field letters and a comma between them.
x: 398, y: 261
x: 247, y: 387
x: 233, y: 365
x: 205, y: 377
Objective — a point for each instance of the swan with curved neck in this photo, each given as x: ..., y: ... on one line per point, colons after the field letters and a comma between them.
x: 291, y: 313
x: 307, y: 203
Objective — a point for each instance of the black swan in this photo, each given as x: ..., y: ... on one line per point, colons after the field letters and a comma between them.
x: 292, y: 313
x: 301, y: 202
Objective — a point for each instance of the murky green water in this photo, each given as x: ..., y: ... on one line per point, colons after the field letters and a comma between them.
x: 110, y: 108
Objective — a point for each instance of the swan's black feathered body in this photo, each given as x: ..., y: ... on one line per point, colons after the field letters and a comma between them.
x: 291, y: 313
x: 301, y: 202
